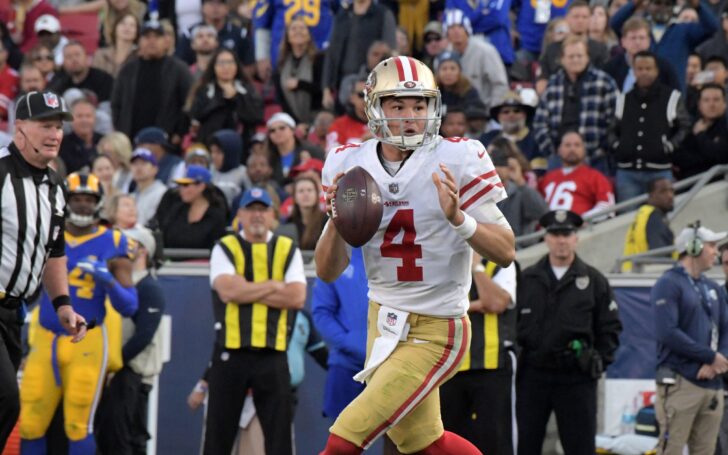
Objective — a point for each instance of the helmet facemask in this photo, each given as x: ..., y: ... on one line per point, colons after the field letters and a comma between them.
x: 402, y: 77
x: 380, y: 125
x: 79, y: 220
x: 84, y: 184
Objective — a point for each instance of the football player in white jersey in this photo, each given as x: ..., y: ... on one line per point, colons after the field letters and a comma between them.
x: 439, y: 199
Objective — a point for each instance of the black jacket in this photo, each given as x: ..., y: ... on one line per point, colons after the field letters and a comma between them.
x: 75, y: 154
x: 700, y: 152
x: 169, y: 114
x: 552, y: 314
x: 648, y: 127
x: 376, y: 24
x: 214, y: 112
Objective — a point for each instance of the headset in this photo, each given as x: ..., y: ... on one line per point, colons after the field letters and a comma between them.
x: 695, y: 245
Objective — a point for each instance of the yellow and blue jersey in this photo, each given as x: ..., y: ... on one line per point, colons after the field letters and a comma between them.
x: 87, y: 296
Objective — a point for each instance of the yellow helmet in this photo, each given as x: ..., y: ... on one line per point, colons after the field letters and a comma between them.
x: 402, y: 77
x: 83, y: 183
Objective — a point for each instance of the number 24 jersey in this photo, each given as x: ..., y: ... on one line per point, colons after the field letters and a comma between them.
x: 416, y: 262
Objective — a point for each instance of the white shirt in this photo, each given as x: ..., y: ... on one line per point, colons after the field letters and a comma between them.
x: 147, y: 201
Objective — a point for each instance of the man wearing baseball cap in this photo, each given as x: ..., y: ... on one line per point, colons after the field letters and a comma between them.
x: 568, y: 327
x: 257, y: 280
x: 149, y: 190
x: 691, y: 327
x: 155, y: 140
x: 48, y: 30
x: 32, y: 236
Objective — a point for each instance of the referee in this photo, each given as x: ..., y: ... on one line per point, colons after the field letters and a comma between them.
x: 32, y: 244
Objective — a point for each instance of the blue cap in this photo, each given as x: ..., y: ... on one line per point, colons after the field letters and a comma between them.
x: 144, y: 154
x: 151, y: 135
x: 194, y: 174
x: 447, y: 56
x: 255, y: 195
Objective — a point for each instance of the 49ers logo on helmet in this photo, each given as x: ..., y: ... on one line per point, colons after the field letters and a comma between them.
x: 409, y: 84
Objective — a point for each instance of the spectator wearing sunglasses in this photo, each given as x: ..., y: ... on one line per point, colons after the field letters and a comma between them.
x: 194, y: 214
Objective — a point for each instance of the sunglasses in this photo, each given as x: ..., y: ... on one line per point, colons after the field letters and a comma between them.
x: 510, y: 111
x: 38, y: 58
x: 431, y: 38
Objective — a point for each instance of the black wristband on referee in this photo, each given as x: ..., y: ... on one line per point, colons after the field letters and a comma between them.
x: 60, y: 301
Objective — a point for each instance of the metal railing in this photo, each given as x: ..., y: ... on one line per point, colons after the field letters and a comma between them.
x: 661, y: 255
x: 697, y: 182
x: 192, y: 254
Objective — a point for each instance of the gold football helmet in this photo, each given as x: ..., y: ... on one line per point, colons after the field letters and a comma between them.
x: 83, y: 183
x: 402, y: 77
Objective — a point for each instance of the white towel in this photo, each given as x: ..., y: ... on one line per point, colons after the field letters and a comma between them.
x: 393, y: 328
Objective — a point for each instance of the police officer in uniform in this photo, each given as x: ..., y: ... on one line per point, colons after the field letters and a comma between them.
x: 568, y: 328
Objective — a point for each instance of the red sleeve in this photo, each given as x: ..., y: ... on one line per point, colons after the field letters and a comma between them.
x: 603, y: 188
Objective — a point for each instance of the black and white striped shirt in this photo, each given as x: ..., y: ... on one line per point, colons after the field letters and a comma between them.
x: 32, y: 204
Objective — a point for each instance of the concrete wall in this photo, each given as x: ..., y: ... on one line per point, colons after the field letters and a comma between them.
x: 601, y: 244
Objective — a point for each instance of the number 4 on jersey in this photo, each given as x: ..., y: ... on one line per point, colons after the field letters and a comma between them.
x: 408, y: 250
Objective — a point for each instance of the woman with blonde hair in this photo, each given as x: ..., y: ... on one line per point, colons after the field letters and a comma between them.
x: 121, y: 211
x: 103, y: 168
x: 118, y: 148
x: 122, y: 47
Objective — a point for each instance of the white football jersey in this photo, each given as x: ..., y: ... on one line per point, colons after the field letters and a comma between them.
x: 416, y: 262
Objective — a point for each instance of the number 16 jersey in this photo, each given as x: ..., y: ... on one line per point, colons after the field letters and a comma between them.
x: 416, y: 262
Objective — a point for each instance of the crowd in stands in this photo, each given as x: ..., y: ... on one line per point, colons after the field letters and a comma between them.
x: 184, y: 105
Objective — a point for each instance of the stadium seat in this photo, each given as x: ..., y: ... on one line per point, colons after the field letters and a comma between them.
x: 83, y: 27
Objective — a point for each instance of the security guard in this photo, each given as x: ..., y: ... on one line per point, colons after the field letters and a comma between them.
x: 478, y: 402
x: 257, y: 279
x: 568, y: 328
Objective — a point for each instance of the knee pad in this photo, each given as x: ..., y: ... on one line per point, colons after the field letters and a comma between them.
x: 35, y: 413
x: 79, y: 399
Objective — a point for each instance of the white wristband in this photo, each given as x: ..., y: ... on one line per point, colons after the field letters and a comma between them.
x: 467, y: 228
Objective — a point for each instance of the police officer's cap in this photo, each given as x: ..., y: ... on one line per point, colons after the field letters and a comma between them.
x: 561, y: 221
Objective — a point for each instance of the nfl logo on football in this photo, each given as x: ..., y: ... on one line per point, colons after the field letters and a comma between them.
x: 391, y: 319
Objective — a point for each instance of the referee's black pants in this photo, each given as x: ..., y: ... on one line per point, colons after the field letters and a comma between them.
x: 572, y: 396
x: 231, y: 374
x: 11, y: 352
x: 477, y: 405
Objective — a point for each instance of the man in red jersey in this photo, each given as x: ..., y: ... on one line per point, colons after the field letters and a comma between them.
x: 576, y: 186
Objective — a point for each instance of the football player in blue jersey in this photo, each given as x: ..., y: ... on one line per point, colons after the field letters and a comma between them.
x: 99, y: 267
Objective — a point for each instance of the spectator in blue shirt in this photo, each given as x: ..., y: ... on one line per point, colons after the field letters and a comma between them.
x: 340, y: 315
x: 691, y: 322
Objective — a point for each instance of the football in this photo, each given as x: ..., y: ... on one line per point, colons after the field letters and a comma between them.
x: 357, y: 208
